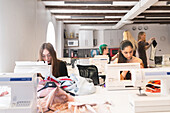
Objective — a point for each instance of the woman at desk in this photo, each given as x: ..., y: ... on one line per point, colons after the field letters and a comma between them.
x: 47, y: 53
x: 126, y: 56
x: 128, y: 36
x: 103, y: 49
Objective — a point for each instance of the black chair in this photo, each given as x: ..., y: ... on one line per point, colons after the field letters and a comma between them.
x: 89, y: 71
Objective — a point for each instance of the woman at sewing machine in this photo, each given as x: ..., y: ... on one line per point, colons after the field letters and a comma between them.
x: 47, y: 53
x: 103, y: 49
x: 126, y: 56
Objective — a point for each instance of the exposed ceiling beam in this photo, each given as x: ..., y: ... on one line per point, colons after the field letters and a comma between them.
x: 151, y: 23
x: 151, y: 20
x: 148, y: 19
x: 90, y: 7
x: 116, y: 19
x: 163, y: 0
x: 91, y: 23
x: 87, y: 11
x: 91, y: 0
x: 115, y: 23
x: 159, y: 8
x: 89, y: 14
x: 155, y: 14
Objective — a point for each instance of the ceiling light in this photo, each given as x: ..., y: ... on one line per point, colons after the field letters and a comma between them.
x: 86, y: 21
x: 115, y: 3
x: 113, y: 16
x: 92, y: 26
x: 160, y: 3
x: 62, y: 17
x: 87, y: 17
x: 126, y: 22
x: 53, y: 3
x: 89, y: 2
x: 88, y: 11
x: 140, y: 17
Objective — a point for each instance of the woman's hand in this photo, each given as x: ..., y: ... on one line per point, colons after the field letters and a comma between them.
x: 150, y: 40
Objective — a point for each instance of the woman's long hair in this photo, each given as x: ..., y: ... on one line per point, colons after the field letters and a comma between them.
x: 123, y: 44
x: 128, y: 36
x: 54, y: 61
x: 140, y: 34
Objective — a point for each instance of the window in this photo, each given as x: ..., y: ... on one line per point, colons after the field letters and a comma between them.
x: 51, y: 34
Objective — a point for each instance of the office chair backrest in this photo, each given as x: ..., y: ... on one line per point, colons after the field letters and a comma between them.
x: 89, y: 71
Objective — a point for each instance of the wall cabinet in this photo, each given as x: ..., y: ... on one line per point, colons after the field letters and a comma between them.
x: 98, y: 35
x: 86, y: 38
x: 112, y: 37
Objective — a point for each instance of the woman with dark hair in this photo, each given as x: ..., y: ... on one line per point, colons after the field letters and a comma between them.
x: 47, y: 53
x: 126, y: 56
x: 143, y: 46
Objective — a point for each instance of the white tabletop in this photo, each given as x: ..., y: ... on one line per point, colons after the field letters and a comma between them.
x: 118, y: 98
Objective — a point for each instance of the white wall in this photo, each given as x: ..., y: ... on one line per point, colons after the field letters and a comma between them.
x: 43, y: 17
x: 17, y: 32
x: 23, y: 27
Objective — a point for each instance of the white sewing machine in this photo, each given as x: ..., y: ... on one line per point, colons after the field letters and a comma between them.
x: 32, y: 67
x: 147, y: 102
x: 113, y: 79
x: 22, y: 93
x: 100, y: 61
x: 140, y: 77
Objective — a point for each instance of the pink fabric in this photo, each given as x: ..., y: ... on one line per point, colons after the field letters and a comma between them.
x: 56, y: 100
x: 89, y: 108
x: 4, y: 93
x: 43, y: 92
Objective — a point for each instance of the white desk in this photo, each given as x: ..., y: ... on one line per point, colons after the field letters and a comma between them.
x: 119, y: 99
